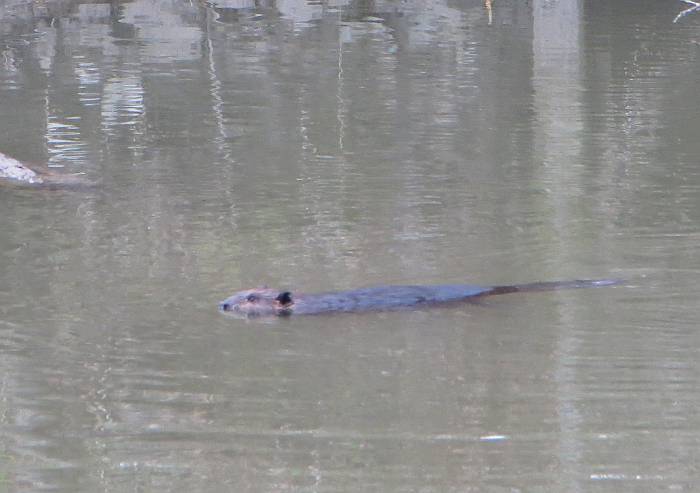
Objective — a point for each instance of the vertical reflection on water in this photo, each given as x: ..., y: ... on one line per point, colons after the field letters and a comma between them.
x: 215, y: 91
x: 123, y: 102
x: 558, y: 136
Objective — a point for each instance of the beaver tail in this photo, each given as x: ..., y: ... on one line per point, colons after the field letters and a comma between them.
x: 553, y: 286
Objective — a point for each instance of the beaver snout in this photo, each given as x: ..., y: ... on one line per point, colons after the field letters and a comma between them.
x: 224, y: 306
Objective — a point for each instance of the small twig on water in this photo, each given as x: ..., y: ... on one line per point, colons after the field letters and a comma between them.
x: 488, y: 4
x: 695, y: 8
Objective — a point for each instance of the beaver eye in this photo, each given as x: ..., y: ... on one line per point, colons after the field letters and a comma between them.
x: 252, y: 298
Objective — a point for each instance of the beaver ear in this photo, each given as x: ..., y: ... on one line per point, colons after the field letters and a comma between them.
x: 284, y: 298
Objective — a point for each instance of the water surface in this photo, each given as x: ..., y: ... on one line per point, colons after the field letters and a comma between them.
x: 333, y: 145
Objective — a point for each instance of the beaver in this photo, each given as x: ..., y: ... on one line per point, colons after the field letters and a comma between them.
x: 13, y: 172
x: 267, y: 302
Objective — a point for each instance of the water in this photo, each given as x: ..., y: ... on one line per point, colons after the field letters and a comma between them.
x: 332, y: 145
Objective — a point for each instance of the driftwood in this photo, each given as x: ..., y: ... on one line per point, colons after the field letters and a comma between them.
x: 18, y: 174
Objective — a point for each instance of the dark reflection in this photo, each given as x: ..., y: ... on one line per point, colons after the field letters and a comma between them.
x: 324, y: 145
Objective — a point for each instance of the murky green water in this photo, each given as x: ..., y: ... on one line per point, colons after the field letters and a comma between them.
x: 331, y: 145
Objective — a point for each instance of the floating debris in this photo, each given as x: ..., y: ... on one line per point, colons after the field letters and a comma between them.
x: 695, y: 8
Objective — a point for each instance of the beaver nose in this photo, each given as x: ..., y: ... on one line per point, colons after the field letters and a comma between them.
x: 224, y: 307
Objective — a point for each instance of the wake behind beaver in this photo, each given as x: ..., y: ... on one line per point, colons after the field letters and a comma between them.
x: 267, y: 302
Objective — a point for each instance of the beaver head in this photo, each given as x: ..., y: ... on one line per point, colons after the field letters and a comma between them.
x: 259, y: 302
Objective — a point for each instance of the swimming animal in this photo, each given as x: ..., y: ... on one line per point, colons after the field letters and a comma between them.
x: 266, y: 302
